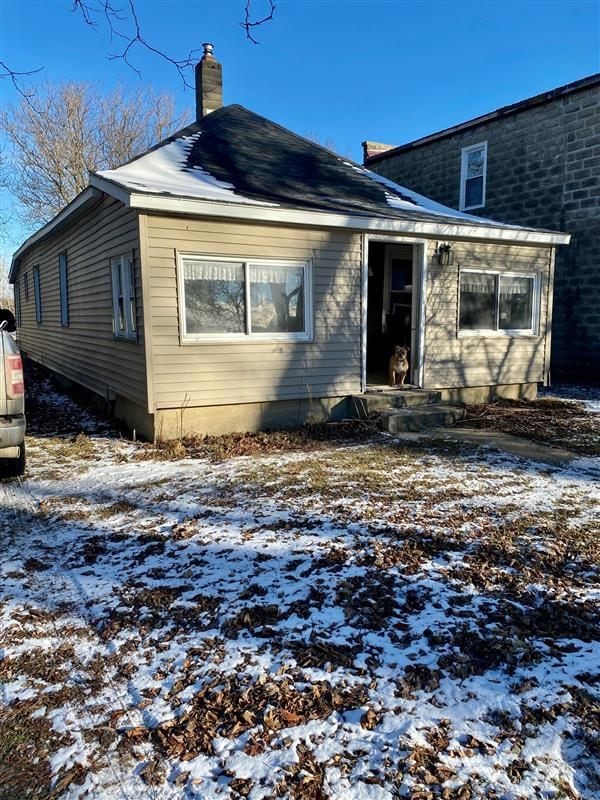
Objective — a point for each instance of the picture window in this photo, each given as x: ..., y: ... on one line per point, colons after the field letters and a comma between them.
x: 231, y: 298
x: 498, y: 302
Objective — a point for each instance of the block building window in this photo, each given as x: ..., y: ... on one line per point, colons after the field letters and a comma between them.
x: 123, y: 290
x: 498, y: 303
x: 225, y: 299
x: 473, y: 168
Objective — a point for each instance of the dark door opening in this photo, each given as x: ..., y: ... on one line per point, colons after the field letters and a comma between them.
x: 392, y: 293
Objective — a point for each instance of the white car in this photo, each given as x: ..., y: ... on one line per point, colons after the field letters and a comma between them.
x: 12, y: 407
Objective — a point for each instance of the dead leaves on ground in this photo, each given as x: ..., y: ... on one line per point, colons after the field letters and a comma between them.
x: 232, y: 706
x: 561, y: 423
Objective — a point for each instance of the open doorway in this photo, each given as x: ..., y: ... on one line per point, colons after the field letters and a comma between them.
x: 393, y: 306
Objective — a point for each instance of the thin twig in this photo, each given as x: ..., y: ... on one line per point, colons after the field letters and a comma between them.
x: 248, y: 24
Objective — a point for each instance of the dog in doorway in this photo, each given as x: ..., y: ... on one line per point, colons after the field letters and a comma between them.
x: 398, y: 366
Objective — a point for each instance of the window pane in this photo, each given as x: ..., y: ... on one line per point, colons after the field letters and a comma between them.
x: 475, y: 163
x: 477, y: 301
x: 516, y: 303
x: 277, y: 299
x: 131, y: 276
x: 214, y: 297
x: 473, y: 192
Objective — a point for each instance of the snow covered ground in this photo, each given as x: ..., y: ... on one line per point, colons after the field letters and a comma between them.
x: 393, y: 619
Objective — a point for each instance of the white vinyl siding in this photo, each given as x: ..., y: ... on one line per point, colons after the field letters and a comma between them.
x: 86, y: 351
x: 64, y: 289
x: 454, y: 358
x: 473, y: 175
x: 123, y: 287
x: 259, y: 368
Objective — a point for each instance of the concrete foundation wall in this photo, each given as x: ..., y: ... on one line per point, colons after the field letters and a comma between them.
x: 248, y: 417
x: 474, y: 395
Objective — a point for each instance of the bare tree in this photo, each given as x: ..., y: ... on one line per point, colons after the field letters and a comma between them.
x: 62, y: 131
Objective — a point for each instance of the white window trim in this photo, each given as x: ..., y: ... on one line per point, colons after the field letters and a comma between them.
x: 464, y: 153
x: 63, y: 281
x: 246, y: 263
x: 534, y: 331
x: 122, y: 264
x: 37, y: 294
x: 18, y: 308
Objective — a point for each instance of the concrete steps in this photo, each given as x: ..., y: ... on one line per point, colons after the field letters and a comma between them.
x: 420, y: 418
x: 407, y: 410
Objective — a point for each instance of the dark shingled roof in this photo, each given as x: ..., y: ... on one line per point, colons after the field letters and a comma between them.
x: 266, y: 162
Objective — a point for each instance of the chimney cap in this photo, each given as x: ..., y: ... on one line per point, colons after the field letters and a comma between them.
x: 208, y: 49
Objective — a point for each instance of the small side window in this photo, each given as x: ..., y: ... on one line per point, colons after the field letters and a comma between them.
x: 18, y: 315
x: 64, y: 289
x: 26, y: 285
x: 37, y: 291
x: 123, y: 289
x: 473, y: 169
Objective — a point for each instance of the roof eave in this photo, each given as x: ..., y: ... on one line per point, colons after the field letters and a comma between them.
x: 84, y: 200
x: 323, y: 219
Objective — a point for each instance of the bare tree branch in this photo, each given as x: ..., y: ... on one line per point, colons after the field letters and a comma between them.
x: 14, y: 76
x: 115, y: 18
x: 71, y: 129
x: 248, y: 24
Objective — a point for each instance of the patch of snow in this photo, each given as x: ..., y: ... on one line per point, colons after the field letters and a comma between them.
x: 164, y: 171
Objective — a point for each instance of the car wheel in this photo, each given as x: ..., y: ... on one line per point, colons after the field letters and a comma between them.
x: 14, y: 467
x: 20, y: 462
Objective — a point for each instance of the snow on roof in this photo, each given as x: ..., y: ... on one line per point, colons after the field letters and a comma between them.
x: 411, y: 201
x: 165, y: 170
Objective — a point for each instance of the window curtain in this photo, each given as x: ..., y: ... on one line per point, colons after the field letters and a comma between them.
x: 512, y: 285
x: 213, y: 271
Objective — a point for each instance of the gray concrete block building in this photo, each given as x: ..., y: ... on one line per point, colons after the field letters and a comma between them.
x: 533, y: 163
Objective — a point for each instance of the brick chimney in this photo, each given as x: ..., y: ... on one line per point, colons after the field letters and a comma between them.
x: 371, y: 149
x: 209, y: 83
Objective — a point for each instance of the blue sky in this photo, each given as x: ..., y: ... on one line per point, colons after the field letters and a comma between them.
x: 343, y: 70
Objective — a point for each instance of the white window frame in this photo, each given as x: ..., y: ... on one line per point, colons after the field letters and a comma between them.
x: 18, y: 308
x: 37, y: 292
x: 63, y: 280
x: 464, y: 156
x: 122, y: 271
x: 497, y: 331
x: 247, y: 336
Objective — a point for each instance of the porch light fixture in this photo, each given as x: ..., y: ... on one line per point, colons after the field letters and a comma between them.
x: 445, y: 255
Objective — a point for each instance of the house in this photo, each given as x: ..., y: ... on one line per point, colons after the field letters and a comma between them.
x: 237, y: 277
x: 536, y: 162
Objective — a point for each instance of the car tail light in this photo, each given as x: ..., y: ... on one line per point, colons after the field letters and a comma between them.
x: 15, y: 387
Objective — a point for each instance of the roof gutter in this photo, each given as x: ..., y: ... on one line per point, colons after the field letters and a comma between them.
x: 169, y: 204
x: 284, y: 216
x: 74, y: 209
